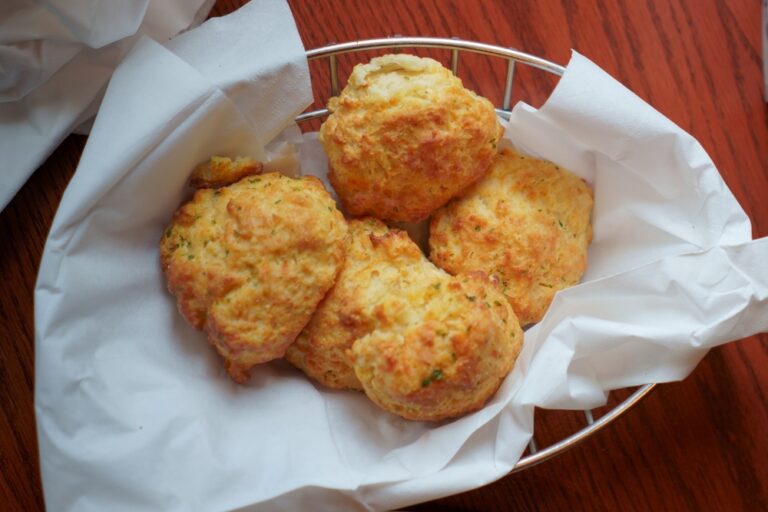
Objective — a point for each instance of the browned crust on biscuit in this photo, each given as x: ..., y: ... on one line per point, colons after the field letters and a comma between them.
x: 249, y: 263
x: 527, y: 223
x: 220, y: 171
x: 405, y: 136
x: 452, y: 362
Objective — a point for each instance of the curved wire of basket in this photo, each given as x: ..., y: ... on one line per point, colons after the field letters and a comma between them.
x: 535, y: 455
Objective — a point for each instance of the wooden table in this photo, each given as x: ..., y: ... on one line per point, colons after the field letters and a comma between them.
x: 696, y: 445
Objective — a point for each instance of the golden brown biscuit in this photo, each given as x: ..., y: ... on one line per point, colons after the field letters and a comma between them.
x: 220, y: 171
x: 405, y: 136
x: 250, y: 262
x: 449, y: 359
x: 419, y: 342
x: 527, y: 223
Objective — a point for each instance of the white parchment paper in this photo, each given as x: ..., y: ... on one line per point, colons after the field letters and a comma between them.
x: 56, y: 57
x: 134, y: 409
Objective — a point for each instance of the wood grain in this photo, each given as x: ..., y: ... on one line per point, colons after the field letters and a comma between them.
x: 695, y: 445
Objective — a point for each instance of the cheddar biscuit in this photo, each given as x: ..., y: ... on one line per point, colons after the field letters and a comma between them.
x: 527, y: 223
x: 405, y: 136
x: 249, y: 263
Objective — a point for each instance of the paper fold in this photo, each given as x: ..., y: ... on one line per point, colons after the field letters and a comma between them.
x: 57, y: 57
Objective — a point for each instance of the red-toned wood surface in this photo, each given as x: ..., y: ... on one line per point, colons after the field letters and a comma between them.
x: 700, y: 444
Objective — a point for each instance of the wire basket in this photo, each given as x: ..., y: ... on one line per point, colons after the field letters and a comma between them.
x: 535, y: 454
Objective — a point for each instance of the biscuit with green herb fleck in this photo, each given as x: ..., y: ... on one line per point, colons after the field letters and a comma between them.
x: 405, y: 136
x: 249, y: 263
x: 527, y: 223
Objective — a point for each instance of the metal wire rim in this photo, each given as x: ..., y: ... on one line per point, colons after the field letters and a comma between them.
x: 535, y: 455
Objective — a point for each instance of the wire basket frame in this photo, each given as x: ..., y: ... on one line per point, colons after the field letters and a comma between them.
x: 535, y: 454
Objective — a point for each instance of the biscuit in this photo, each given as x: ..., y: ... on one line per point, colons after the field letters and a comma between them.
x: 450, y: 360
x: 405, y: 136
x: 527, y: 223
x: 249, y: 263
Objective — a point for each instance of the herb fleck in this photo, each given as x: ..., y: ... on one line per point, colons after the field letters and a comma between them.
x: 437, y: 374
x: 471, y: 298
